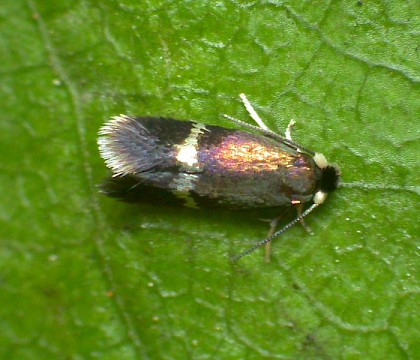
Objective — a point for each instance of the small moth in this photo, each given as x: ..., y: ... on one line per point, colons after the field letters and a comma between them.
x: 203, y: 165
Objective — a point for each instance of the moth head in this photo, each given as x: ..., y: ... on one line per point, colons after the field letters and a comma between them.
x: 329, y: 178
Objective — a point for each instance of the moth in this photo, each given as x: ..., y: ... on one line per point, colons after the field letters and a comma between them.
x: 198, y: 165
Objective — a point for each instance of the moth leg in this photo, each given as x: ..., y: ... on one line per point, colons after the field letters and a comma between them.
x: 267, y: 246
x: 299, y: 208
x: 288, y: 132
x: 252, y: 112
x: 273, y: 226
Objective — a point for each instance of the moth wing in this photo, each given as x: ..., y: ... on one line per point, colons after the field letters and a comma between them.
x: 134, y: 145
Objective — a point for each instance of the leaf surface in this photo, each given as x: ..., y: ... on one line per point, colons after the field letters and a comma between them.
x: 86, y: 277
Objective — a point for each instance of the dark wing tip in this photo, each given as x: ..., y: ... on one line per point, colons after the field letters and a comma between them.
x: 123, y: 188
x: 330, y: 178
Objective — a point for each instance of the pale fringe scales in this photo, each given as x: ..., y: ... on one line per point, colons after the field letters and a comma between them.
x: 114, y: 159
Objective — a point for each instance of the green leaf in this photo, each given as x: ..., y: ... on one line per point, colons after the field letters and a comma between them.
x: 83, y: 276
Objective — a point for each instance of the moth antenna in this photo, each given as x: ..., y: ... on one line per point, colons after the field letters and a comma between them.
x: 262, y: 128
x: 277, y: 233
x: 244, y: 124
